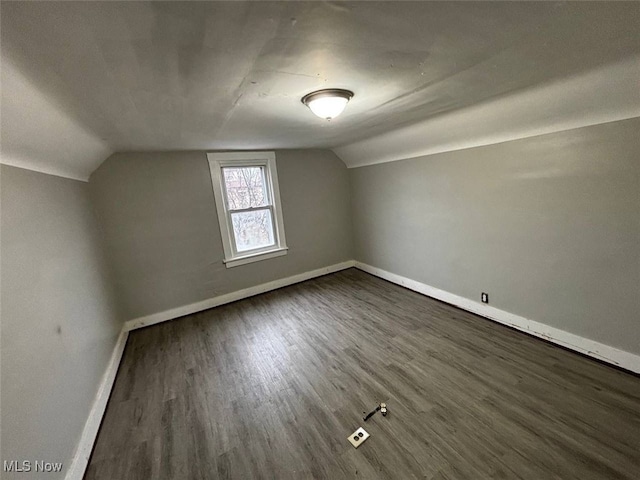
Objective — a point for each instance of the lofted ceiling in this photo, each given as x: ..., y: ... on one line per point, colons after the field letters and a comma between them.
x: 81, y: 80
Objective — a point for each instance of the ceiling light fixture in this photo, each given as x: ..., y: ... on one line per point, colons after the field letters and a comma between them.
x: 328, y: 103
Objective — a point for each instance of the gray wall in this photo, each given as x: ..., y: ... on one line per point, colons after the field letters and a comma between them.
x: 548, y: 226
x: 59, y: 321
x: 163, y: 237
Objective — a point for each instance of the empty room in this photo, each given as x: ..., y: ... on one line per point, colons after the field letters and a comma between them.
x: 320, y: 240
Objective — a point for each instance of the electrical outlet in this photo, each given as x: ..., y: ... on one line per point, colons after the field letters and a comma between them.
x: 484, y: 297
x: 358, y: 437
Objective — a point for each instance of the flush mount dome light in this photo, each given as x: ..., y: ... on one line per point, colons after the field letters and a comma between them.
x: 327, y: 103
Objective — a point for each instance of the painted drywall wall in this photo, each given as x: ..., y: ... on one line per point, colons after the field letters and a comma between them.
x: 59, y: 318
x: 163, y: 237
x: 549, y: 226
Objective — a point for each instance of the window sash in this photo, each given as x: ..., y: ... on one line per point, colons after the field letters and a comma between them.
x: 232, y: 232
x: 267, y: 162
x: 268, y: 206
x: 267, y: 186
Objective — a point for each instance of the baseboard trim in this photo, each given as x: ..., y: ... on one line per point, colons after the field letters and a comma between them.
x: 591, y: 348
x: 606, y: 353
x: 83, y: 451
x: 232, y: 297
x: 90, y: 432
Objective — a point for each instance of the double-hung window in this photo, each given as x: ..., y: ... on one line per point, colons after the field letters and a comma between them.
x: 245, y: 188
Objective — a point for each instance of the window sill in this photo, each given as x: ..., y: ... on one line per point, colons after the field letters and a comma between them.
x: 255, y: 257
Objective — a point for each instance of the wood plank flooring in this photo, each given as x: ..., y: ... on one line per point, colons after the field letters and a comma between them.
x: 270, y: 387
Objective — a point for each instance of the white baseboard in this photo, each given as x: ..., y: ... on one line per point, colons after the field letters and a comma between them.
x: 583, y: 345
x: 233, y: 296
x: 83, y: 451
x: 594, y: 349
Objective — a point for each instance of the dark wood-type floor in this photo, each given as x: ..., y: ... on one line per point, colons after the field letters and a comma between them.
x: 270, y: 387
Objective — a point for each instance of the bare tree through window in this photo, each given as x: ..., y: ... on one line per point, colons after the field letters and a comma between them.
x: 246, y: 190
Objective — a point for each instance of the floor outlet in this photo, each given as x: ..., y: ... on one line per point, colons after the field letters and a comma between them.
x: 358, y: 437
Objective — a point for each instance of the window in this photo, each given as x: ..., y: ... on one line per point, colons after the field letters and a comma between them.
x: 245, y: 187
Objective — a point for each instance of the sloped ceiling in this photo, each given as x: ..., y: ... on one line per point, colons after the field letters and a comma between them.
x: 39, y: 135
x: 605, y: 94
x: 83, y: 79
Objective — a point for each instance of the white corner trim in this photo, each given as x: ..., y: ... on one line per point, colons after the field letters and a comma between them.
x: 594, y: 349
x: 233, y: 296
x: 90, y: 432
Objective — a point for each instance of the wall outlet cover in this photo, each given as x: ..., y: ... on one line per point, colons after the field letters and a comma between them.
x: 484, y: 297
x: 358, y: 437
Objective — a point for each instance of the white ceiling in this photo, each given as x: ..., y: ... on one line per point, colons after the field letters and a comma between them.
x: 606, y: 94
x: 83, y: 79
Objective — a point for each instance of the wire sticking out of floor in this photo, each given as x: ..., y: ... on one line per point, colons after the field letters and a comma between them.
x: 381, y: 407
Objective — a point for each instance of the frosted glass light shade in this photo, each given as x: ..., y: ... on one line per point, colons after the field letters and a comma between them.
x: 329, y: 103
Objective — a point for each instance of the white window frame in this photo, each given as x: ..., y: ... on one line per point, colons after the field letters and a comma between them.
x: 267, y: 160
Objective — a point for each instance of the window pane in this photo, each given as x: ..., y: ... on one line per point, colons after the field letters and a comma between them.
x: 252, y: 229
x: 245, y: 187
